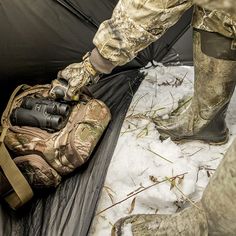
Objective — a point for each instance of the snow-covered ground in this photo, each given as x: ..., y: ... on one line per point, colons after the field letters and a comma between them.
x: 150, y: 176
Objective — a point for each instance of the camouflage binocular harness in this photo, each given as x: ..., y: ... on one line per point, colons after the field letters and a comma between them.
x: 41, y: 158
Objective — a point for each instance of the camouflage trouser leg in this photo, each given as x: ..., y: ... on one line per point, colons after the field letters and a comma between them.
x: 137, y: 23
x: 216, y: 21
x: 228, y: 6
x: 134, y: 25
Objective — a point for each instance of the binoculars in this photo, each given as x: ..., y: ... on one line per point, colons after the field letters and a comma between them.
x: 42, y: 113
x: 58, y: 91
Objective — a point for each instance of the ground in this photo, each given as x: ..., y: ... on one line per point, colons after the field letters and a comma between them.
x: 150, y: 176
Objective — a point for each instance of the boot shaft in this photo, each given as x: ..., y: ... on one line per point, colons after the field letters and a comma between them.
x: 215, y: 79
x: 219, y: 201
x: 215, y: 72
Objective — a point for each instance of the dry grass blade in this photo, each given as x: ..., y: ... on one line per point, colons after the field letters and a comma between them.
x: 141, y: 187
x: 143, y: 133
x: 181, y: 105
x: 158, y: 155
x: 136, y: 102
x: 140, y: 191
x: 129, y: 130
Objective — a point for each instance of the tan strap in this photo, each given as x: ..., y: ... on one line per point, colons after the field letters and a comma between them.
x: 22, y: 190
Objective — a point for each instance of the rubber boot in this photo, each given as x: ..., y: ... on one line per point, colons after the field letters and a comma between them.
x: 214, y: 215
x: 219, y: 201
x: 215, y: 78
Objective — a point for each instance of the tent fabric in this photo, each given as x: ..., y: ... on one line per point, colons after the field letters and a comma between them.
x: 70, y: 208
x: 40, y: 37
x: 181, y: 52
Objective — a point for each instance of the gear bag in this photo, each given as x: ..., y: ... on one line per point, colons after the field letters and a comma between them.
x: 40, y: 158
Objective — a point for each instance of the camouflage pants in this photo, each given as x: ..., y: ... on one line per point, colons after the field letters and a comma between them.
x: 137, y: 23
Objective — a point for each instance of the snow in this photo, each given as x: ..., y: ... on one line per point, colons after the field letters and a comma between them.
x: 127, y: 231
x: 140, y: 176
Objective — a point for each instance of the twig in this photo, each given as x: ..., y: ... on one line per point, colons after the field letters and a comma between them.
x: 141, y: 187
x: 136, y: 193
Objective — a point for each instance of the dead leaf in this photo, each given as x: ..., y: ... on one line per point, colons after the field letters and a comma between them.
x: 156, y: 211
x: 132, y: 206
x: 109, y: 192
x: 180, y: 180
x: 172, y: 183
x: 153, y: 178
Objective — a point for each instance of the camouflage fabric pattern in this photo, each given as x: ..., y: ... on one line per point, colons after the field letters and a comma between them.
x: 37, y: 171
x: 77, y: 75
x: 189, y: 222
x: 81, y: 134
x: 215, y: 21
x: 219, y: 200
x: 45, y: 157
x: 134, y: 25
x: 204, y: 117
x: 137, y: 23
x: 228, y: 6
x: 68, y: 148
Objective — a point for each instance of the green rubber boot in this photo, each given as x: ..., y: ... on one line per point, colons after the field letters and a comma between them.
x: 189, y: 222
x: 215, y: 78
x: 214, y: 215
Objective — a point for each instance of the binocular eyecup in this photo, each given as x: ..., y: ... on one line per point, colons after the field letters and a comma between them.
x: 25, y: 117
x: 42, y: 113
x: 52, y: 107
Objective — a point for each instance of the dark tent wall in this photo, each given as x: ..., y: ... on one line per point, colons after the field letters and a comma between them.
x: 39, y: 37
x: 92, y: 11
x: 181, y: 53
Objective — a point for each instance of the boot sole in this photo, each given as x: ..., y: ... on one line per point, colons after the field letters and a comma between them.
x: 216, y: 142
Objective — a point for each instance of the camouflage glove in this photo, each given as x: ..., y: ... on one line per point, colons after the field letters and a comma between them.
x: 75, y: 76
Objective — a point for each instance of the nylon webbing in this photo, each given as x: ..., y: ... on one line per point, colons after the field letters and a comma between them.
x: 22, y: 190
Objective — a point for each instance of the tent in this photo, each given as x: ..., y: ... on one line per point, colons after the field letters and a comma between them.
x: 38, y: 38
